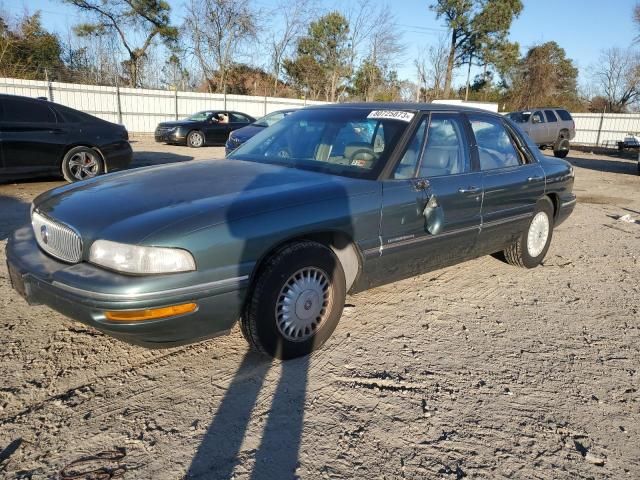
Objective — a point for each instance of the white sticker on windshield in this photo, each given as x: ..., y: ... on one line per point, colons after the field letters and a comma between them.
x: 392, y: 115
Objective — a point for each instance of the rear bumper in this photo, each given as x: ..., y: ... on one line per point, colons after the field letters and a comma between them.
x: 117, y: 156
x: 38, y: 278
x: 567, y: 205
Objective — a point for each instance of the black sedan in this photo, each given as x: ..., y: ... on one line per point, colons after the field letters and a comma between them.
x: 330, y: 200
x: 209, y: 127
x: 38, y: 137
x: 238, y: 137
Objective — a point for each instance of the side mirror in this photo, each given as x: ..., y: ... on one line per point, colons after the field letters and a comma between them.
x: 535, y: 120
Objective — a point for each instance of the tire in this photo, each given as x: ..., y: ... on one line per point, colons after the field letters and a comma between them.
x: 195, y: 139
x: 525, y: 251
x: 81, y: 163
x: 294, y: 275
x: 561, y: 147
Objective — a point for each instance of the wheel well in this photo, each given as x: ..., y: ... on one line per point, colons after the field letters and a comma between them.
x: 340, y: 244
x: 555, y: 201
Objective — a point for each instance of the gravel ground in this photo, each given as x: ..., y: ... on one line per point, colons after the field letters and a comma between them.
x: 480, y: 370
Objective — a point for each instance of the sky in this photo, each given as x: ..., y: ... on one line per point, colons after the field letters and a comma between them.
x: 582, y: 27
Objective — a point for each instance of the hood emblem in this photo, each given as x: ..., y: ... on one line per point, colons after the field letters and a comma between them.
x: 44, y: 234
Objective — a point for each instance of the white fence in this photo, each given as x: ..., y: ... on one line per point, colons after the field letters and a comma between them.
x: 604, y: 129
x: 140, y: 110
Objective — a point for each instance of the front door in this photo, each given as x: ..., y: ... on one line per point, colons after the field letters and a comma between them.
x: 431, y: 206
x: 32, y: 138
x: 512, y: 181
x: 538, y: 129
x: 216, y: 129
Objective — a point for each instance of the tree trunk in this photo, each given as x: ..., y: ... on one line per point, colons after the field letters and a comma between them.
x: 450, y: 61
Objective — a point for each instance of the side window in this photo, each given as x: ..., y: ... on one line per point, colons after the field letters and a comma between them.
x: 237, y: 118
x: 537, y: 118
x: 445, y: 152
x: 564, y: 115
x: 495, y: 148
x: 17, y: 110
x: 409, y: 163
x: 551, y: 117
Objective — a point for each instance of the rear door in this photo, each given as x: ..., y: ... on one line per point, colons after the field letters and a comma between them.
x: 236, y: 121
x: 512, y: 181
x: 32, y: 138
x: 553, y: 126
x: 431, y: 206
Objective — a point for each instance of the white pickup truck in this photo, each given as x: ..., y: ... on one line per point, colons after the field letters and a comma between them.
x: 547, y: 127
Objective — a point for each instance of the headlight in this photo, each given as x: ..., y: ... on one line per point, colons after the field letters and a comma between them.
x: 140, y: 260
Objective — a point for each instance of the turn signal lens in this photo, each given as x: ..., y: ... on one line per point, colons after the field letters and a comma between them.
x: 151, y: 313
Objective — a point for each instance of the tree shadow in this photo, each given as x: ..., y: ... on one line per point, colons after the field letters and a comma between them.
x: 277, y: 457
x: 606, y: 164
x: 15, y: 213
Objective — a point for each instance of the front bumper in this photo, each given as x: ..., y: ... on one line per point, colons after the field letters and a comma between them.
x: 84, y: 292
x: 169, y: 137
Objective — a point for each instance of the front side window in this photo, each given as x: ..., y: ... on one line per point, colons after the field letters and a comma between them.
x: 495, y: 148
x: 551, y: 117
x: 538, y: 118
x: 342, y: 141
x: 18, y: 110
x: 445, y: 152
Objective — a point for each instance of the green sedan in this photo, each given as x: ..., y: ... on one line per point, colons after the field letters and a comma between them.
x: 331, y: 200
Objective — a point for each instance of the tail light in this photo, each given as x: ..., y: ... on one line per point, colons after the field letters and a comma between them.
x: 125, y: 134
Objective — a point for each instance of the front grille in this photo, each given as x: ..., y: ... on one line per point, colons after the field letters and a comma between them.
x: 57, y: 239
x: 162, y: 130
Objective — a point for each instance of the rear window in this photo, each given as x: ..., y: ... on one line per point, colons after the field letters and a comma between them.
x: 551, y: 117
x: 28, y: 111
x: 73, y: 116
x: 564, y: 115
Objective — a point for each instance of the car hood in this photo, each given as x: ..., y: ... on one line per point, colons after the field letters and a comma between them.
x: 245, y: 133
x: 183, y: 197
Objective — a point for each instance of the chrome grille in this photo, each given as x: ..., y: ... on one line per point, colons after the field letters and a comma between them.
x: 57, y: 239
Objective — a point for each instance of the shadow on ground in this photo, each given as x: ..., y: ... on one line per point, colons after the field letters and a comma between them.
x: 606, y: 164
x: 149, y: 158
x: 15, y: 213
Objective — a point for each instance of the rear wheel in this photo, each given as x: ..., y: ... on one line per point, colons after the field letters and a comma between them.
x: 297, y: 301
x: 81, y: 163
x: 195, y: 139
x: 529, y: 249
x: 561, y: 147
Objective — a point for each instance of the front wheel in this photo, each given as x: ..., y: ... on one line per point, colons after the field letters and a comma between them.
x: 296, y: 302
x: 81, y: 163
x: 195, y: 139
x: 529, y: 249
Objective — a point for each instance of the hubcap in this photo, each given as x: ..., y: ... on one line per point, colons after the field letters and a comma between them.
x: 303, y: 304
x: 84, y: 165
x: 196, y: 139
x: 538, y: 234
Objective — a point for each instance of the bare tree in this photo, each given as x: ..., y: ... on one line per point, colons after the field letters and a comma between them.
x: 617, y: 76
x: 294, y: 17
x: 431, y: 68
x: 218, y: 30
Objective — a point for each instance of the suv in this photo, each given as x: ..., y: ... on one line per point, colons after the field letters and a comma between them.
x: 547, y: 127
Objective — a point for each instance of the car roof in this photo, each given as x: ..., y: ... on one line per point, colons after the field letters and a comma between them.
x: 422, y: 107
x: 540, y: 108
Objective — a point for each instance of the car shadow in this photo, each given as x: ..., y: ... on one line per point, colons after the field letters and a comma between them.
x: 277, y: 456
x: 15, y: 213
x: 606, y: 164
x: 148, y: 158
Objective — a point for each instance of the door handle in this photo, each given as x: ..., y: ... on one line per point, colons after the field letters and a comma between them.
x: 469, y: 189
x: 535, y: 178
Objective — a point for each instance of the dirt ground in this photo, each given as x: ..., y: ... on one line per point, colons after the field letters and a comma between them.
x: 481, y: 370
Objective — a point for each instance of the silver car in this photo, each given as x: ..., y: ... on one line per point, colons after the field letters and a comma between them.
x: 547, y: 127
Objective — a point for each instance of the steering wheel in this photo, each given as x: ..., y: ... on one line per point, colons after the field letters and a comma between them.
x: 362, y: 158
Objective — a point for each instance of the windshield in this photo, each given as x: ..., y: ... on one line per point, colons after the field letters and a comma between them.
x: 199, y: 117
x: 341, y: 141
x: 520, y: 117
x: 271, y: 119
